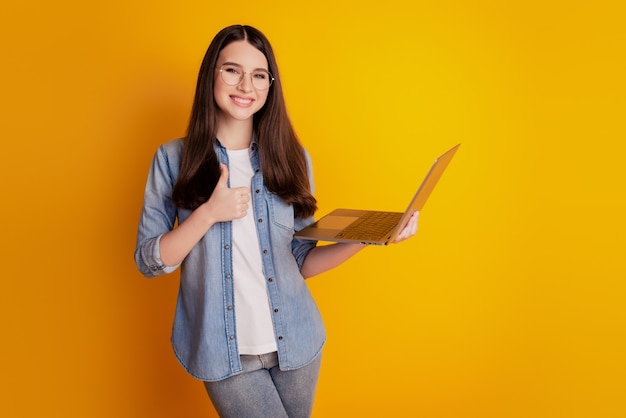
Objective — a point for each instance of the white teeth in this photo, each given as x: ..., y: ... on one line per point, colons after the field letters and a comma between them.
x: 242, y: 101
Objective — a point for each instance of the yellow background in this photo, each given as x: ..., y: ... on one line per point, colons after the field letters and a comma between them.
x: 508, y: 303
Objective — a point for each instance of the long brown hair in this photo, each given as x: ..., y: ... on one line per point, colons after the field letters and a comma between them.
x: 283, y: 161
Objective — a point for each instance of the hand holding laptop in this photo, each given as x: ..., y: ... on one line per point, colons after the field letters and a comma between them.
x: 409, y: 230
x: 377, y: 227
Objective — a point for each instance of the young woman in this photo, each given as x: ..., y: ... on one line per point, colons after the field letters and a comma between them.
x: 238, y: 186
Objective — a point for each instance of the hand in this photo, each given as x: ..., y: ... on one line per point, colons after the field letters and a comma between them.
x: 409, y: 230
x: 226, y: 204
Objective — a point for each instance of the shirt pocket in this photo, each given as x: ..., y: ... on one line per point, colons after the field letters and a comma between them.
x: 281, y: 213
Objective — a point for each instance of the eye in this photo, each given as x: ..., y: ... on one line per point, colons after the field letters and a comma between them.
x: 260, y: 75
x: 231, y: 69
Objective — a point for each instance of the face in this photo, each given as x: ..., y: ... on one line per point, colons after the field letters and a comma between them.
x: 240, y: 102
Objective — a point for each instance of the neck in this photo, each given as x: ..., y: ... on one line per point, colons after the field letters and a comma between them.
x: 235, y: 134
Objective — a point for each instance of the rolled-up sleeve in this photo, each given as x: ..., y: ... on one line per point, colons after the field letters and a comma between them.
x: 158, y: 215
x: 301, y: 247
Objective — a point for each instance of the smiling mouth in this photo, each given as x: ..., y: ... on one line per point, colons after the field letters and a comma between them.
x: 241, y: 100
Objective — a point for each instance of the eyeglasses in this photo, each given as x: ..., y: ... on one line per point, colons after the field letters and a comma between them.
x: 232, y: 74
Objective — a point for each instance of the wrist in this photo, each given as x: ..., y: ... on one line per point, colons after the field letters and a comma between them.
x: 204, y: 216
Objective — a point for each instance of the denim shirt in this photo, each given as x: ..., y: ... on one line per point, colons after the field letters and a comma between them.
x: 204, y: 337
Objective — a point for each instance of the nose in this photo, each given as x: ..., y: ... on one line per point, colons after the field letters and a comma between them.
x: 246, y: 83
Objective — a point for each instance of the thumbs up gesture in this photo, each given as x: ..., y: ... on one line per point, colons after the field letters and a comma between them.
x: 226, y: 204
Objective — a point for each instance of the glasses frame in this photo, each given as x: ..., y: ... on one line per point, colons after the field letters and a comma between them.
x: 243, y: 74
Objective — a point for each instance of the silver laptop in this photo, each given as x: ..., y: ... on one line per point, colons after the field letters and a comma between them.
x: 375, y: 227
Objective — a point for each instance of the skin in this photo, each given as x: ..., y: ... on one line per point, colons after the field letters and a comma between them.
x: 237, y: 105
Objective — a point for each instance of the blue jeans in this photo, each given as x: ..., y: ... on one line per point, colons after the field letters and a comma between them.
x: 262, y: 390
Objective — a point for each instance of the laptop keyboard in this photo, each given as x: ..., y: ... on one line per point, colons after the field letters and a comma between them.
x: 373, y: 226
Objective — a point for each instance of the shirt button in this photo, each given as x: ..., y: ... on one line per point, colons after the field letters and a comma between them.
x: 230, y: 308
x: 265, y: 251
x: 275, y: 310
x: 271, y: 279
x: 226, y: 247
x: 280, y: 338
x: 228, y: 276
x: 232, y: 337
x: 258, y: 191
x: 260, y: 220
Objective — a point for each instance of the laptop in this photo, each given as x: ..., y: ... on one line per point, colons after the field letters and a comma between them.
x: 375, y: 227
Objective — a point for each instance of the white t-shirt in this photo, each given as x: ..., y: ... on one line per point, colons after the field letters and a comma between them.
x: 255, y: 330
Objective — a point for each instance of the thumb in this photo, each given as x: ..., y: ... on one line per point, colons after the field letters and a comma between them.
x: 223, y: 180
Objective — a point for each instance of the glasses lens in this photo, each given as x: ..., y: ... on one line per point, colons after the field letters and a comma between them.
x: 261, y: 79
x: 233, y: 75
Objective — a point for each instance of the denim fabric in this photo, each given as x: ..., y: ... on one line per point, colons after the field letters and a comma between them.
x: 263, y: 390
x: 204, y: 337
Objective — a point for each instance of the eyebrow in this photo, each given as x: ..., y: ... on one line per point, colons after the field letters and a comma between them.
x: 241, y: 66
